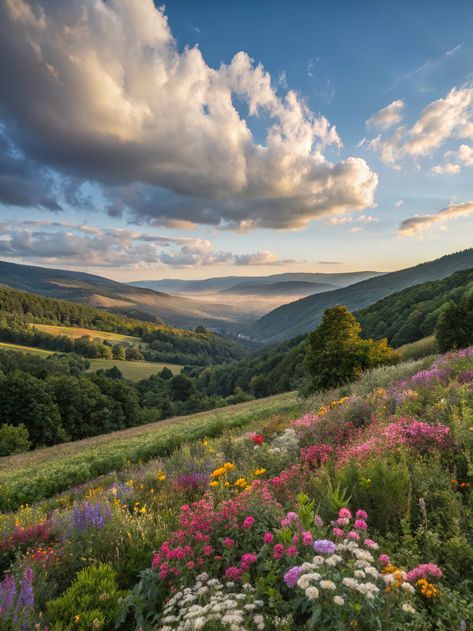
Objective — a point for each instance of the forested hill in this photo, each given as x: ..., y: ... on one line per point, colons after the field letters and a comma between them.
x: 411, y: 314
x: 304, y: 315
x: 18, y: 309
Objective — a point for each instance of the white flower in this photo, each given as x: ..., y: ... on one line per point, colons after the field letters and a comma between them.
x: 258, y: 619
x: 408, y: 608
x: 327, y: 585
x: 303, y: 581
x: 350, y: 582
x: 407, y: 587
x: 312, y: 593
x: 333, y: 560
x: 359, y: 574
x: 338, y: 600
x: 369, y: 569
x: 318, y: 560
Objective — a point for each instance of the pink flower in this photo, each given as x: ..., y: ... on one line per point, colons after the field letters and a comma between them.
x: 292, y: 517
x: 423, y: 571
x: 207, y: 550
x: 268, y: 538
x: 279, y: 551
x: 307, y: 538
x: 361, y: 514
x: 384, y: 559
x: 295, y: 539
x: 360, y: 524
x: 284, y: 522
x: 233, y: 573
x: 318, y: 521
x: 338, y: 532
x: 249, y: 521
x: 292, y: 551
x: 228, y: 542
x: 353, y: 535
x: 248, y: 558
x: 257, y: 439
x: 371, y: 544
x: 343, y: 521
x: 344, y: 513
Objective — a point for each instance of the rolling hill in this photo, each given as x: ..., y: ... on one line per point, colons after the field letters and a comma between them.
x: 283, y: 288
x: 304, y: 315
x: 412, y: 314
x: 136, y: 302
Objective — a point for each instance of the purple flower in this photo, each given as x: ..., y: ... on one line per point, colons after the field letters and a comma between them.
x: 292, y: 576
x: 324, y: 546
x: 89, y: 515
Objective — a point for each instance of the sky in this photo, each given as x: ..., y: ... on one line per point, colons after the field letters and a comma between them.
x: 207, y: 138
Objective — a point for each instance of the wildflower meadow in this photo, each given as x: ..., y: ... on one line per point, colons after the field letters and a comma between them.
x: 357, y: 514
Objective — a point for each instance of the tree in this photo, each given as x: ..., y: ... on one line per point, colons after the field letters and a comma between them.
x: 336, y: 353
x: 24, y: 399
x: 261, y: 386
x: 13, y: 440
x: 181, y: 387
x: 455, y: 325
x: 133, y: 354
x: 118, y: 351
x: 166, y: 373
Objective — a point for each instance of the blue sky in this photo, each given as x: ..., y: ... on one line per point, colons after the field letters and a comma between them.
x: 213, y: 170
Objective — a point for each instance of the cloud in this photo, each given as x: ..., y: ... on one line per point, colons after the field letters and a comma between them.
x: 100, y: 92
x: 57, y: 242
x: 455, y: 160
x: 418, y: 223
x: 445, y: 118
x: 388, y: 116
x: 341, y: 220
x: 368, y: 219
x: 329, y: 262
x: 398, y: 203
x: 425, y: 68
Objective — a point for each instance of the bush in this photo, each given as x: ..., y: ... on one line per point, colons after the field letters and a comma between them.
x: 13, y: 439
x: 90, y: 602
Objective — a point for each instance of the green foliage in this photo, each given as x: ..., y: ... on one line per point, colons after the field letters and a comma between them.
x: 13, y: 439
x: 455, y: 325
x: 337, y: 354
x: 412, y: 314
x: 91, y: 602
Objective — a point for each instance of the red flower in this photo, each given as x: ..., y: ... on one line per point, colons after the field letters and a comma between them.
x: 257, y: 439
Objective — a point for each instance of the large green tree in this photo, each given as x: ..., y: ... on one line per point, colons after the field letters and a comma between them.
x: 455, y: 325
x: 336, y: 353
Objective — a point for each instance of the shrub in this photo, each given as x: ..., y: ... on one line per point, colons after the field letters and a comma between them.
x: 13, y: 439
x: 92, y: 599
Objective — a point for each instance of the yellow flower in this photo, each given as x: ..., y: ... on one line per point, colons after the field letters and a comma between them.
x: 143, y: 510
x: 241, y: 482
x: 261, y: 471
x: 218, y: 472
x: 205, y: 442
x: 160, y: 475
x: 213, y: 483
x: 228, y: 465
x: 77, y: 618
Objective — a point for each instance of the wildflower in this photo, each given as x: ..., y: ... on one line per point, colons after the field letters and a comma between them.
x: 344, y: 513
x: 337, y: 532
x: 424, y: 571
x: 292, y: 575
x: 307, y: 538
x: 278, y: 551
x: 384, y: 559
x: 338, y: 600
x: 249, y: 521
x: 371, y: 544
x: 268, y: 538
x: 257, y: 439
x: 360, y: 524
x: 328, y: 585
x: 324, y: 546
x: 312, y: 592
x: 318, y: 521
x: 292, y: 551
x: 77, y: 618
x: 228, y: 542
x: 213, y: 483
x: 228, y: 466
x: 408, y: 608
x: 361, y: 514
x: 260, y: 471
x: 353, y: 535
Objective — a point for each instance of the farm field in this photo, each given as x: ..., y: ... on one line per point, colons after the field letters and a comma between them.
x: 77, y: 332
x: 133, y: 370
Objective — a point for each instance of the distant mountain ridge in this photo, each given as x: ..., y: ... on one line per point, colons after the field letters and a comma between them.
x: 136, y: 302
x: 224, y: 283
x: 304, y: 315
x: 283, y: 288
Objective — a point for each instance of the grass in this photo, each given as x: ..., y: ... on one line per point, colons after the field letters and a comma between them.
x: 24, y: 349
x: 40, y: 474
x: 420, y: 348
x: 130, y: 370
x: 133, y: 370
x: 76, y: 332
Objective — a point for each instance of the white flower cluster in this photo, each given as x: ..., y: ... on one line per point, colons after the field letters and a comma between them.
x: 346, y: 575
x: 208, y: 600
x: 285, y: 443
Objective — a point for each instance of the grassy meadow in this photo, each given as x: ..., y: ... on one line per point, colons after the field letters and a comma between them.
x: 76, y: 332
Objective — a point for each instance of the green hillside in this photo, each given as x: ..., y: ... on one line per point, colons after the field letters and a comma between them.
x: 304, y: 315
x: 162, y: 343
x: 412, y: 314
